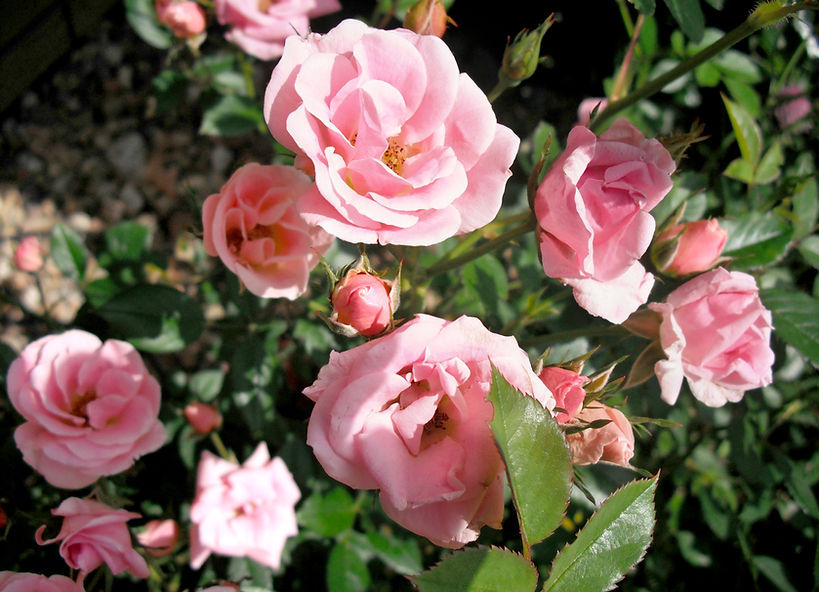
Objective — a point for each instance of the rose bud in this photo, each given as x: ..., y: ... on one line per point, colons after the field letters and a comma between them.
x: 427, y: 17
x: 28, y: 256
x: 203, y: 418
x: 3, y: 518
x: 362, y: 301
x: 159, y: 537
x: 689, y: 248
x: 611, y: 442
x: 567, y: 388
x: 185, y: 19
x: 522, y: 56
x: 794, y: 108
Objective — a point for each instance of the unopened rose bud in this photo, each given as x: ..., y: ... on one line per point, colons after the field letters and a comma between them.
x: 589, y: 106
x: 3, y: 518
x: 362, y: 301
x: 794, y: 108
x: 567, y: 388
x: 689, y: 248
x: 28, y: 256
x: 159, y: 537
x: 203, y: 418
x: 185, y: 19
x: 522, y: 56
x: 427, y: 17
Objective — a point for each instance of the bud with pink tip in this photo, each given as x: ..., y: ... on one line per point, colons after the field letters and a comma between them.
x: 203, y: 418
x: 28, y: 256
x: 185, y: 18
x: 427, y: 17
x: 689, y: 248
x: 159, y: 537
x: 362, y: 301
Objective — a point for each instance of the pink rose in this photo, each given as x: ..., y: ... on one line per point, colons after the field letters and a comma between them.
x: 586, y: 107
x: 794, y: 108
x: 260, y: 27
x: 160, y: 537
x: 612, y: 442
x: 203, y: 418
x: 90, y: 407
x: 243, y: 510
x: 592, y: 211
x: 28, y: 256
x: 567, y: 388
x: 405, y: 149
x: 407, y: 414
x: 253, y: 225
x: 695, y: 247
x: 30, y: 582
x: 363, y: 302
x: 716, y: 333
x: 92, y: 534
x: 185, y: 18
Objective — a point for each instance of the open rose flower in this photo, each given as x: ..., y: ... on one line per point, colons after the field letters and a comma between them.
x: 405, y: 149
x: 253, y: 226
x: 716, y: 333
x: 92, y: 534
x: 243, y: 510
x: 90, y: 407
x: 407, y: 414
x: 260, y: 27
x: 593, y: 216
x: 30, y: 582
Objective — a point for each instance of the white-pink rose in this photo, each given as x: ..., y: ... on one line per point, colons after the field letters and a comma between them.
x: 612, y: 442
x: 29, y: 582
x: 260, y: 27
x: 407, y: 414
x: 716, y: 333
x: 253, y: 226
x: 92, y: 534
x: 405, y: 149
x: 245, y: 510
x: 90, y: 407
x: 593, y: 216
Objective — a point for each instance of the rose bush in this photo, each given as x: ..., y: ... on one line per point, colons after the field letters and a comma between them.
x: 90, y: 407
x: 260, y: 27
x: 245, y: 510
x: 30, y: 582
x: 593, y: 216
x: 407, y: 414
x: 93, y: 533
x: 405, y: 149
x: 716, y: 333
x: 253, y: 226
x: 694, y: 247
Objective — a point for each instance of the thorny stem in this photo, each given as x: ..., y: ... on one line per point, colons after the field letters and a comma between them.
x: 763, y: 16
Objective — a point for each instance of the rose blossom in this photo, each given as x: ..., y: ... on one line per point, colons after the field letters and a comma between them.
x: 243, y: 510
x: 593, y: 221
x: 92, y: 534
x: 363, y: 302
x: 716, y: 333
x: 203, y: 418
x: 253, y: 226
x: 260, y: 27
x: 159, y: 537
x: 612, y: 442
x: 567, y: 388
x: 28, y: 256
x: 90, y: 407
x: 29, y: 582
x: 404, y: 148
x: 407, y: 414
x: 185, y: 18
x: 697, y: 246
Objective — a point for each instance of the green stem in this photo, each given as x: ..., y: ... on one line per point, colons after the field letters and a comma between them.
x: 488, y: 246
x: 220, y: 447
x: 763, y: 16
x: 611, y: 330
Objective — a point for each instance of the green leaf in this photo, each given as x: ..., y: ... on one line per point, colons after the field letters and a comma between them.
x: 795, y: 319
x: 741, y: 170
x: 613, y: 540
x: 169, y: 89
x: 809, y: 248
x: 805, y: 207
x: 127, y: 241
x: 154, y: 318
x: 328, y: 515
x: 479, y: 570
x: 749, y: 136
x: 206, y: 385
x: 402, y: 555
x: 707, y: 74
x: 142, y: 18
x: 232, y: 116
x: 346, y: 571
x: 688, y: 15
x: 756, y: 238
x: 645, y: 7
x: 486, y: 276
x: 68, y: 252
x: 537, y: 459
x: 738, y: 66
x: 774, y: 570
x: 770, y: 165
x: 744, y: 94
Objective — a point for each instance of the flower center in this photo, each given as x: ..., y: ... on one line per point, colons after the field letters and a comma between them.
x: 436, y: 428
x: 395, y: 155
x: 264, y: 5
x: 235, y: 238
x: 79, y: 404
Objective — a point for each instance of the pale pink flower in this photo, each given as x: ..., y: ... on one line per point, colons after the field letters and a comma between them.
x: 203, y: 418
x: 184, y: 18
x: 407, y: 414
x: 159, y: 537
x: 567, y: 388
x: 697, y: 246
x: 29, y: 582
x: 28, y: 256
x: 245, y: 510
x: 362, y: 301
x: 404, y: 148
x: 716, y: 333
x: 253, y: 225
x: 593, y: 216
x: 260, y: 27
x: 90, y: 407
x: 584, y: 110
x: 612, y: 442
x: 92, y: 534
